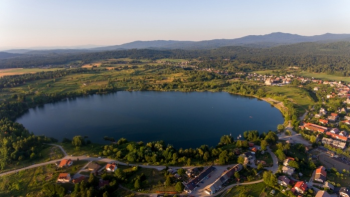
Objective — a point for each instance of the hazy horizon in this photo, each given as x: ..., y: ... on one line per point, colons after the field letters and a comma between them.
x: 68, y: 24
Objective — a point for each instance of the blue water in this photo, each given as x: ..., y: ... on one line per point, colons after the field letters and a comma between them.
x: 181, y: 119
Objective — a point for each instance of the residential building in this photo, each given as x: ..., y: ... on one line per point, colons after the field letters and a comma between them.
x: 192, y: 184
x: 92, y: 166
x: 320, y: 174
x: 283, y: 180
x: 338, y: 137
x: 328, y: 185
x: 111, y: 167
x: 286, y: 161
x: 323, y: 121
x: 288, y: 170
x: 64, y: 178
x: 322, y: 193
x: 323, y: 111
x: 335, y: 130
x: 65, y: 163
x: 344, y: 192
x: 79, y: 179
x: 300, y: 187
x: 332, y: 118
x: 315, y: 128
x: 217, y: 184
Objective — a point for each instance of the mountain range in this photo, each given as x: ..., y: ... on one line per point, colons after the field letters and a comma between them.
x: 255, y: 41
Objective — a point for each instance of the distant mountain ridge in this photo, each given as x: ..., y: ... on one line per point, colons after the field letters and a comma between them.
x: 259, y: 41
x: 254, y: 41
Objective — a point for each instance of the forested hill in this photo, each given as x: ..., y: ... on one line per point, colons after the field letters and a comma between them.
x: 319, y: 57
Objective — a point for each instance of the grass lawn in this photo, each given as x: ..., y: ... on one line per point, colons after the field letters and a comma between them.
x: 154, y: 180
x: 264, y: 157
x: 48, y: 153
x: 295, y: 94
x: 256, y: 190
x: 324, y: 76
x: 89, y: 149
x: 344, y: 180
x: 29, y: 182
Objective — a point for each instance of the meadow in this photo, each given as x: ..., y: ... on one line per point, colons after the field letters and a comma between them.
x: 21, y: 71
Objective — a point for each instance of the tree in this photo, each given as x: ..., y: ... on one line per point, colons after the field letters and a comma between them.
x: 189, y: 161
x: 181, y: 171
x: 280, y: 127
x: 226, y: 139
x: 293, y: 164
x: 179, y: 187
x: 240, y: 160
x: 206, y: 156
x: 223, y: 157
x: 105, y: 194
x: 237, y: 175
x: 260, y: 166
x: 167, y: 181
x: 137, y: 184
x: 269, y: 178
x: 264, y: 145
x: 280, y: 155
x: 78, y: 141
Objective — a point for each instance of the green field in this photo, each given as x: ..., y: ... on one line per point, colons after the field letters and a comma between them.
x: 20, y: 71
x: 297, y: 95
x: 324, y: 76
x: 256, y: 190
x: 30, y: 182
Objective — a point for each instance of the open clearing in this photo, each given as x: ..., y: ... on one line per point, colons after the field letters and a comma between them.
x: 324, y: 76
x: 21, y: 71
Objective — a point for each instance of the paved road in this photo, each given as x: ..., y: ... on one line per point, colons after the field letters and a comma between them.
x: 63, y: 151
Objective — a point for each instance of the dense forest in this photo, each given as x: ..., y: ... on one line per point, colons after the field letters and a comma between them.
x: 315, y: 57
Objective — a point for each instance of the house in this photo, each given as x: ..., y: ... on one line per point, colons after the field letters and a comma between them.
x: 249, y: 157
x: 65, y: 163
x: 300, y: 187
x: 217, y: 184
x: 286, y: 161
x: 315, y: 128
x: 288, y: 170
x: 335, y: 115
x: 327, y: 185
x: 344, y: 192
x: 92, y: 166
x: 322, y: 193
x: 315, y: 88
x: 343, y: 133
x: 346, y: 122
x: 63, y: 178
x: 79, y: 179
x: 338, y: 137
x: 323, y: 111
x: 192, y: 184
x: 332, y: 118
x: 283, y: 180
x: 347, y: 117
x: 343, y: 110
x: 318, y: 115
x: 335, y: 130
x: 320, y: 174
x: 111, y: 167
x: 323, y: 121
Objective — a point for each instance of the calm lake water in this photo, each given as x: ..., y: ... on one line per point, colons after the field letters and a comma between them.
x: 181, y: 119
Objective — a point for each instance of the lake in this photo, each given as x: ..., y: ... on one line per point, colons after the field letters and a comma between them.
x: 181, y: 119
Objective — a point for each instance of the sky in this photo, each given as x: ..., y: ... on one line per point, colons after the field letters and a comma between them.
x: 67, y: 23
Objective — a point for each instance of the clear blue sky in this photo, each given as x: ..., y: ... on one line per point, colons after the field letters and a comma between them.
x: 49, y: 23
